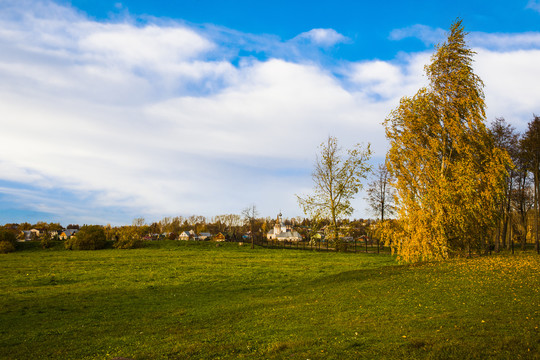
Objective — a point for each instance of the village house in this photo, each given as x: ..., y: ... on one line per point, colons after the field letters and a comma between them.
x: 67, y: 234
x: 187, y: 235
x: 219, y: 237
x: 205, y: 236
x: 30, y: 234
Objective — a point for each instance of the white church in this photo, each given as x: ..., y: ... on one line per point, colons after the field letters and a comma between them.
x: 281, y: 232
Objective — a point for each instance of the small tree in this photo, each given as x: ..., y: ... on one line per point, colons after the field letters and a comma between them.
x: 139, y: 221
x: 505, y: 137
x: 128, y: 237
x: 337, y: 180
x: 89, y: 237
x: 531, y: 148
x: 522, y: 196
x: 45, y: 240
x: 250, y: 215
x: 380, y: 193
x: 380, y: 197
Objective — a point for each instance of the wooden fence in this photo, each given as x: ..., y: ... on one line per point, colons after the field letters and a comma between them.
x: 356, y: 246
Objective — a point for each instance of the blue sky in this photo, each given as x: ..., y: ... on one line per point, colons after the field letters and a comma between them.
x: 118, y: 109
x: 367, y: 23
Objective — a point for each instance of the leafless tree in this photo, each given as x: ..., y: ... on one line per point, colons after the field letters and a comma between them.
x: 380, y: 193
x: 250, y: 215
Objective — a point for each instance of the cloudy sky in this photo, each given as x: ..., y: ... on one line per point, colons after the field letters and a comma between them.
x: 111, y: 110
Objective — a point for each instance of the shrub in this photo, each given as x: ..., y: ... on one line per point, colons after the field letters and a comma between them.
x: 6, y: 247
x: 7, y: 241
x: 8, y: 236
x: 46, y: 241
x: 128, y: 237
x: 89, y: 237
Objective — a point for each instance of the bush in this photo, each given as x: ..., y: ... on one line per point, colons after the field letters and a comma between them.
x: 8, y: 236
x: 6, y: 247
x: 89, y: 237
x: 128, y: 237
x: 46, y: 241
x: 7, y: 241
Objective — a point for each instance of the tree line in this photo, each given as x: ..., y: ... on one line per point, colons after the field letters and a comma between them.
x: 247, y: 226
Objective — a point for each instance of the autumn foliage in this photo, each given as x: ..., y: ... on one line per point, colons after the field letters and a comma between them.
x: 449, y: 175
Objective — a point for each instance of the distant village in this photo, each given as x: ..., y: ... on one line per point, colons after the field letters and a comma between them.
x: 229, y: 227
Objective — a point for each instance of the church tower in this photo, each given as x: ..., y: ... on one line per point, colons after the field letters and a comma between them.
x: 278, y: 225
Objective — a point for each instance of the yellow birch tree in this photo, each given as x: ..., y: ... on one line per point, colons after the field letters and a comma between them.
x: 449, y: 175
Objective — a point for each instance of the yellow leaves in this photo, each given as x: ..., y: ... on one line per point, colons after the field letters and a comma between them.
x: 448, y: 176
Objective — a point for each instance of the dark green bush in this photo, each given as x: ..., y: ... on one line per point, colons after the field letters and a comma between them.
x: 7, y: 241
x: 89, y: 237
x: 45, y: 241
x: 6, y: 247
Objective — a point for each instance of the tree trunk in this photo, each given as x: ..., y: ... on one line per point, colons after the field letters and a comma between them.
x: 536, y: 209
x: 506, y: 212
x: 498, y: 238
x: 336, y: 232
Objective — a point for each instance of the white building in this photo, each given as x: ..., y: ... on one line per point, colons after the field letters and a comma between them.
x: 282, y: 232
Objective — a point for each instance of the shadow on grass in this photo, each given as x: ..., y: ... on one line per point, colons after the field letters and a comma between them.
x: 378, y: 274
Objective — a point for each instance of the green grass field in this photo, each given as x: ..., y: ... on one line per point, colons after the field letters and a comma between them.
x: 179, y: 300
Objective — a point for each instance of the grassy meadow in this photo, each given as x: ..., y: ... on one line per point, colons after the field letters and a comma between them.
x: 180, y: 300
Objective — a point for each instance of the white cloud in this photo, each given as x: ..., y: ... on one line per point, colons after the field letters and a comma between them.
x: 322, y: 37
x: 493, y: 41
x: 389, y: 80
x: 511, y: 84
x: 157, y: 120
x: 150, y: 46
x: 427, y: 34
x: 505, y: 42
